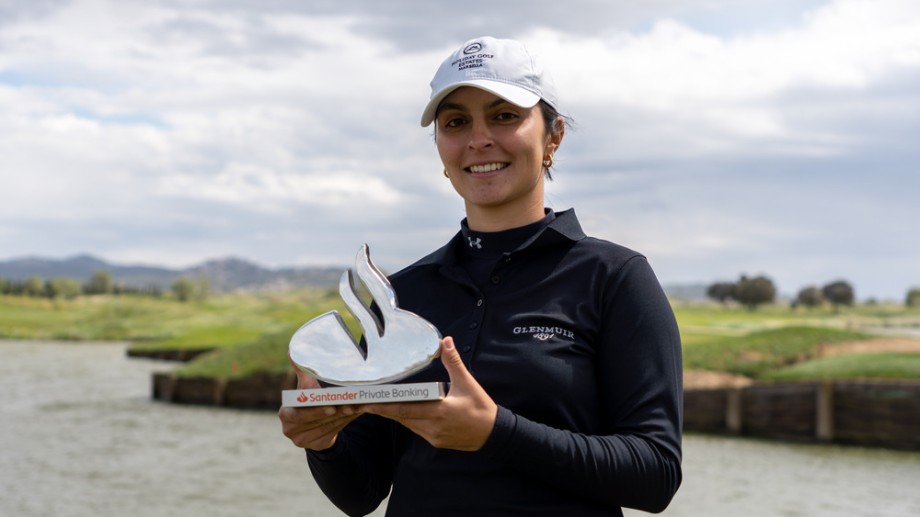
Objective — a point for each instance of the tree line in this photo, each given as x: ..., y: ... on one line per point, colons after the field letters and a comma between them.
x: 760, y: 290
x: 101, y: 282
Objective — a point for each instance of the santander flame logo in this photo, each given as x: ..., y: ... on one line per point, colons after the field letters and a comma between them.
x: 302, y: 397
x: 398, y: 344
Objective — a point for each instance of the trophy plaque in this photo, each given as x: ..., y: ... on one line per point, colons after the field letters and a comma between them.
x: 397, y: 343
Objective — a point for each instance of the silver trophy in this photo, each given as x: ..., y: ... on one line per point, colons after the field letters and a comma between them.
x: 398, y: 343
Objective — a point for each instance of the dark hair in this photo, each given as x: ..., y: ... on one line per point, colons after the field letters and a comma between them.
x: 550, y: 116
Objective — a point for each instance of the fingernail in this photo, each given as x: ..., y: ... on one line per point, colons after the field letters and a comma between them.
x: 330, y: 410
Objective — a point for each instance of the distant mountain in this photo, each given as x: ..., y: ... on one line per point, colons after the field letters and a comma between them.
x: 224, y: 275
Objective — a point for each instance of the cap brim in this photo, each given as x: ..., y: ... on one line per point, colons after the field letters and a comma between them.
x: 511, y: 93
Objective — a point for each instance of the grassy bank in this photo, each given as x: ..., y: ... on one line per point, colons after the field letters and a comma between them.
x: 765, y: 345
x: 250, y: 332
x: 220, y: 321
x: 759, y: 353
x: 888, y: 365
x: 780, y: 344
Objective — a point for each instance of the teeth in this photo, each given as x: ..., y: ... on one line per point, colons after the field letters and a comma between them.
x: 489, y: 167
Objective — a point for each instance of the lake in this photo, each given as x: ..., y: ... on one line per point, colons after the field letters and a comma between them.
x: 81, y: 437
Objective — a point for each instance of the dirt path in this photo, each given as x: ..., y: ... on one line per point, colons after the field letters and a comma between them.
x: 881, y: 344
x: 701, y: 379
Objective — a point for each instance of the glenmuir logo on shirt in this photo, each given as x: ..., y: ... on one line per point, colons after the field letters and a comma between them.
x: 544, y: 333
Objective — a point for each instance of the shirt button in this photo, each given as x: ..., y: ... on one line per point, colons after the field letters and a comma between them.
x: 474, y: 325
x: 479, y: 302
x: 467, y: 349
x: 495, y: 279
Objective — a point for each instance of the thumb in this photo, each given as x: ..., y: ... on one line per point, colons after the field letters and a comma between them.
x: 453, y: 363
x: 305, y: 381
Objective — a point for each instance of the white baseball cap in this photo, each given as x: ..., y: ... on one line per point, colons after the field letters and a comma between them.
x: 503, y: 67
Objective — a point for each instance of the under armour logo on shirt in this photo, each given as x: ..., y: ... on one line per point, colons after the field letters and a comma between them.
x: 477, y: 243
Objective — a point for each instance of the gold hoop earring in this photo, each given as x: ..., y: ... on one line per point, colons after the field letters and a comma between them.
x: 445, y: 174
x: 548, y: 162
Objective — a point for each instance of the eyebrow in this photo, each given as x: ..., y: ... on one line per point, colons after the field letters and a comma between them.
x: 461, y: 107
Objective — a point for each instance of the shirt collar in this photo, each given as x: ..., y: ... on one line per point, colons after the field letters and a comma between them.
x: 564, y: 227
x: 486, y: 245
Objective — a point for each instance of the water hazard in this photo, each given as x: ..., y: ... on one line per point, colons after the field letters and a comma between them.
x: 81, y: 437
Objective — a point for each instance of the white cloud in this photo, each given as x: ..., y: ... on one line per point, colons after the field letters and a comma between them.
x: 721, y: 95
x: 155, y: 129
x: 265, y: 190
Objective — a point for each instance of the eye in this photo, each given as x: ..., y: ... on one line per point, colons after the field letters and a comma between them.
x: 452, y: 121
x: 506, y: 116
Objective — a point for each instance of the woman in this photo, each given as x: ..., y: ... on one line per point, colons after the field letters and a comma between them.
x: 562, y: 351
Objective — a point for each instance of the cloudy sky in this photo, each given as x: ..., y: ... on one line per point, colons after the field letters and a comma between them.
x: 718, y: 137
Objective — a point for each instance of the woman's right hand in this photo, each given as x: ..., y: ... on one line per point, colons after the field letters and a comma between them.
x: 314, y: 428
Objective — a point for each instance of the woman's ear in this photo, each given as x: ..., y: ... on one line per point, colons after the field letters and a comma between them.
x: 555, y: 138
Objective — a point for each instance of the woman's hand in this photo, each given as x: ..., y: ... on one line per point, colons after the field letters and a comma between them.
x: 463, y: 420
x: 314, y: 428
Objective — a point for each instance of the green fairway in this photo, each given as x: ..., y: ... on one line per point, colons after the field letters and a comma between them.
x: 249, y: 332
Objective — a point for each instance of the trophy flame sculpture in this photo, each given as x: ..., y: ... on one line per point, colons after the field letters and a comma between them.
x: 398, y: 344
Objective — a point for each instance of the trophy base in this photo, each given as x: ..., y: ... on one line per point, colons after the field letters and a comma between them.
x: 373, y: 393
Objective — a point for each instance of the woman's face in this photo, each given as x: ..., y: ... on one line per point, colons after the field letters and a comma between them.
x: 493, y: 152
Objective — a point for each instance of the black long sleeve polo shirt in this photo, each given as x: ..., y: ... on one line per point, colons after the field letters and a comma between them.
x: 576, y: 342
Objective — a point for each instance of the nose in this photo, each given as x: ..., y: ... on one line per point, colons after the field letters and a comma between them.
x: 480, y: 135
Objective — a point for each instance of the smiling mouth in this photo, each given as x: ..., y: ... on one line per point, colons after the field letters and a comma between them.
x: 487, y: 167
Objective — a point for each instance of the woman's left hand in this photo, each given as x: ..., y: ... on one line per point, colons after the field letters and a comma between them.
x: 462, y: 420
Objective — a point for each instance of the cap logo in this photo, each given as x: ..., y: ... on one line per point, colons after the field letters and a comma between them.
x: 472, y: 48
x: 473, y: 57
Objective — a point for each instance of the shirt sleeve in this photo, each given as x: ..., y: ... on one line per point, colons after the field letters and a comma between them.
x: 637, y: 462
x: 355, y: 473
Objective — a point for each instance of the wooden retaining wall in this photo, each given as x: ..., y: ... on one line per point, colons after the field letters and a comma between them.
x: 261, y: 391
x: 871, y: 413
x: 876, y: 413
x: 168, y: 354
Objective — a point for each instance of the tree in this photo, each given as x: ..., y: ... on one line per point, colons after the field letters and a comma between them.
x: 913, y: 297
x: 838, y: 293
x: 183, y: 289
x: 4, y: 286
x: 720, y: 291
x: 62, y: 287
x: 810, y: 297
x: 186, y: 289
x: 34, y: 287
x: 752, y: 292
x: 100, y: 283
